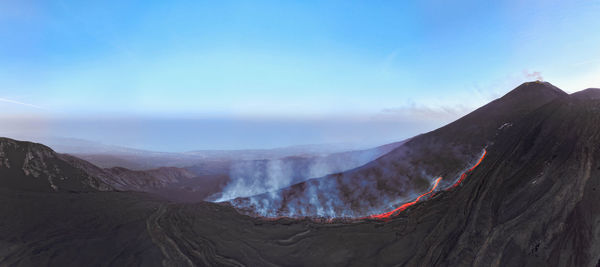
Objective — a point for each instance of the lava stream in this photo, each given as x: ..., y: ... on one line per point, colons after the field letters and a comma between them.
x: 437, y: 181
x: 464, y: 175
x: 405, y: 205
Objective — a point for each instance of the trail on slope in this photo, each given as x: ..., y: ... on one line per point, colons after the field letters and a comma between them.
x: 173, y: 240
x: 170, y: 250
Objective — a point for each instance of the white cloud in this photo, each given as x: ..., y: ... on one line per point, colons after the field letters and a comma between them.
x: 6, y: 100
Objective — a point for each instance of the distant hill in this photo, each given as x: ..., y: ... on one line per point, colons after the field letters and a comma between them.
x: 35, y: 167
x: 108, y: 156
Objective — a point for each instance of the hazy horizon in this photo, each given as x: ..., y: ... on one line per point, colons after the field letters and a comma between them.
x: 183, y: 135
x: 182, y: 76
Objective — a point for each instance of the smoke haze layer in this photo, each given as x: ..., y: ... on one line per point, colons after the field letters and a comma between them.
x: 249, y: 178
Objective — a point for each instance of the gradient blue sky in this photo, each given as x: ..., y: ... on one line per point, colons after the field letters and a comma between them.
x: 290, y: 71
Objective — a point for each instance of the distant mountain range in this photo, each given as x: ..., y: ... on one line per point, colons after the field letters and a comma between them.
x: 108, y: 156
x: 209, y: 173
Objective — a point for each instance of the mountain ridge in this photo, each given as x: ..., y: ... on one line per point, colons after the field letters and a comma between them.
x: 32, y: 166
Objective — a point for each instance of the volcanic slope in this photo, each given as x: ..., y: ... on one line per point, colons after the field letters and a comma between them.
x: 533, y: 201
x: 409, y: 170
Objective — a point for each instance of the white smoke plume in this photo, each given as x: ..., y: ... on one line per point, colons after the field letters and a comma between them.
x: 533, y: 75
x: 354, y: 194
x: 249, y: 178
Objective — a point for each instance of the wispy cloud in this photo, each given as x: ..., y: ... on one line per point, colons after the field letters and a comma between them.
x: 413, y: 111
x: 6, y: 100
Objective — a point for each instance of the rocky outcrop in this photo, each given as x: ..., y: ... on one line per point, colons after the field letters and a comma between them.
x: 30, y: 166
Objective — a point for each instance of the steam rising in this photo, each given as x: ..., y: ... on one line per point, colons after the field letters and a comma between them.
x: 326, y: 198
x: 376, y: 188
x: 250, y: 178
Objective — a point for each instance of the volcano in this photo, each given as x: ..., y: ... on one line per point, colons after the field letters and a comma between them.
x: 519, y: 187
x: 408, y: 171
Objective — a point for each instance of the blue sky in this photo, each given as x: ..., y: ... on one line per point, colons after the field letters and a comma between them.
x: 406, y: 66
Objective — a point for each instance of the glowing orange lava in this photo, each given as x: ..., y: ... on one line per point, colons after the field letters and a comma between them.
x: 405, y: 205
x: 464, y: 175
x: 437, y: 181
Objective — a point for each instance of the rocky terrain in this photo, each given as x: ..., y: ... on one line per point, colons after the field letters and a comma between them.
x: 532, y: 201
x: 30, y: 166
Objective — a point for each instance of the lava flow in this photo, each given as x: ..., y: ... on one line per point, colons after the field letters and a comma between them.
x: 437, y: 181
x: 464, y: 175
x: 405, y: 205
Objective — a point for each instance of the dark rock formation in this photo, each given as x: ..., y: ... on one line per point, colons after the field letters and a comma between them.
x: 35, y: 167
